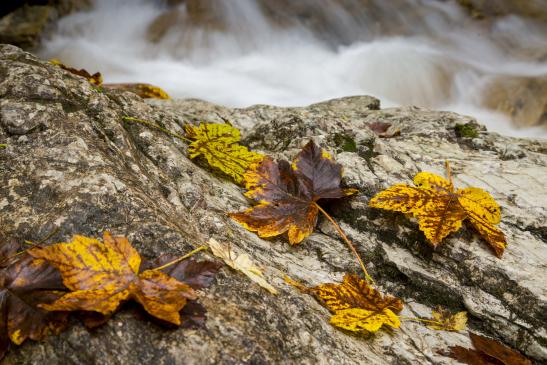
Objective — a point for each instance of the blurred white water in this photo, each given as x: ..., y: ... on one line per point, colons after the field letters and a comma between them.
x: 436, y: 59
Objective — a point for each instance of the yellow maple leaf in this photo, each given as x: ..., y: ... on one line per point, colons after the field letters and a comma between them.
x: 357, y: 306
x: 241, y: 262
x: 441, y: 210
x: 218, y: 143
x: 102, y: 275
x: 446, y: 321
x: 95, y: 79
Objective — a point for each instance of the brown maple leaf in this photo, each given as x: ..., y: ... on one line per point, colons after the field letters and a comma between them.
x: 487, y: 352
x: 102, y: 275
x: 287, y: 194
x: 24, y: 285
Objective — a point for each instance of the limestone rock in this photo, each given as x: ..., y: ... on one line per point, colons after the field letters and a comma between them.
x: 72, y: 166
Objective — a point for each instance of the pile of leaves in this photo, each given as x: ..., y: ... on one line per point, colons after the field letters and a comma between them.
x: 41, y: 285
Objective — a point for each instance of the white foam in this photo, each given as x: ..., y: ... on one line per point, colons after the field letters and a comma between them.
x: 439, y: 65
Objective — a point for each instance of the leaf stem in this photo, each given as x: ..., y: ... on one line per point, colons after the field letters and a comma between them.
x: 420, y: 320
x: 346, y: 239
x: 448, y: 172
x: 200, y: 248
x: 155, y: 126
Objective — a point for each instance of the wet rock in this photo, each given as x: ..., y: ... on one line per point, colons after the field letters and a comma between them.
x: 73, y: 166
x: 524, y: 99
x: 24, y: 26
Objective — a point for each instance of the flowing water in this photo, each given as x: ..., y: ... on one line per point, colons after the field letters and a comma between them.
x: 428, y: 53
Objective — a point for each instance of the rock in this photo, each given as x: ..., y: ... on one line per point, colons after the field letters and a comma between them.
x: 24, y: 26
x: 72, y: 166
x: 524, y: 99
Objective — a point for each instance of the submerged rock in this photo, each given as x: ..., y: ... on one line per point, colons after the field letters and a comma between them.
x: 72, y: 166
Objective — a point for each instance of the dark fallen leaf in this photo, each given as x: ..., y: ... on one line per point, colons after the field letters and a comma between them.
x: 468, y: 356
x: 23, y: 285
x: 197, y: 274
x: 497, y: 350
x: 287, y: 194
x: 193, y: 315
x: 487, y: 352
x: 381, y: 129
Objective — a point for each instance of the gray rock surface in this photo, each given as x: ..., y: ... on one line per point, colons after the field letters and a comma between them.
x: 72, y: 166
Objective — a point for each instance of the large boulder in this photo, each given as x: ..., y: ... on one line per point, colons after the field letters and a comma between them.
x: 72, y: 166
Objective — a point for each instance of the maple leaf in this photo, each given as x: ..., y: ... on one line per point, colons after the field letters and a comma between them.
x: 287, y: 195
x: 197, y: 274
x: 357, y: 306
x: 446, y: 321
x: 95, y: 79
x: 240, y: 262
x: 218, y: 143
x: 441, y: 210
x: 24, y: 285
x: 102, y: 275
x: 486, y: 352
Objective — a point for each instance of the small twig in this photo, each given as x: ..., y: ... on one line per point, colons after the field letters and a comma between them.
x: 448, y: 172
x: 346, y: 239
x: 155, y: 126
x: 200, y: 248
x: 420, y: 320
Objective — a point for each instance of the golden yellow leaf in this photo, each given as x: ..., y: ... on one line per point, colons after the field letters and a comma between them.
x: 447, y: 321
x: 441, y: 210
x: 95, y: 79
x: 358, y: 306
x: 102, y: 275
x: 241, y: 262
x: 358, y: 320
x: 218, y: 143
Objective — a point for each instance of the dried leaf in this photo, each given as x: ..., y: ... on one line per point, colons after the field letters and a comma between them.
x: 193, y: 315
x: 382, y: 129
x: 95, y: 79
x: 287, y: 195
x: 24, y: 285
x: 357, y: 306
x: 197, y: 274
x: 145, y: 91
x: 218, y: 143
x: 486, y: 352
x: 241, y: 262
x: 447, y: 321
x: 468, y: 356
x: 498, y: 351
x: 441, y: 210
x: 102, y: 275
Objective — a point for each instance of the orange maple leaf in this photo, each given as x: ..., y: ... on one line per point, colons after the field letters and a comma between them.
x: 102, y: 275
x: 441, y: 210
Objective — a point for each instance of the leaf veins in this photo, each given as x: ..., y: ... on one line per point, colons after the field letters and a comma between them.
x: 102, y: 275
x: 287, y: 194
x: 218, y: 143
x: 441, y: 210
x: 355, y: 304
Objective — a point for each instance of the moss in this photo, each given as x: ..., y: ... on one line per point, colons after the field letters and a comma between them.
x: 466, y: 131
x: 345, y: 143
